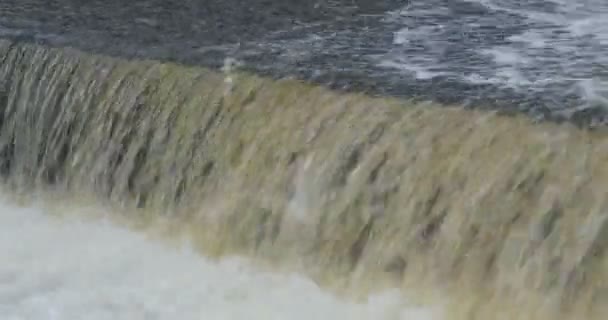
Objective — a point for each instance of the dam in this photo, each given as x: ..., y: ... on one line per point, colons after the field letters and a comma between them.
x: 158, y: 140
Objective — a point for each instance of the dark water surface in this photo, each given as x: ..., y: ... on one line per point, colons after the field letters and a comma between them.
x: 542, y: 57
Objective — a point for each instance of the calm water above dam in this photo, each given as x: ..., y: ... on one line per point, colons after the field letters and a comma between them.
x: 543, y: 57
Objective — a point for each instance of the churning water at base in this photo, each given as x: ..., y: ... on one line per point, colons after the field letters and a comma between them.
x: 56, y: 269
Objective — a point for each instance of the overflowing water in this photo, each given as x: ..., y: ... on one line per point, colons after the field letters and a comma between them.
x: 490, y: 216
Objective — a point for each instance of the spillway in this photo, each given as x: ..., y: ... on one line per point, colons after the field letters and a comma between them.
x: 492, y: 216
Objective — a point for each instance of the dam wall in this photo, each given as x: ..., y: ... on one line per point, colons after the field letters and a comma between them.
x: 497, y: 214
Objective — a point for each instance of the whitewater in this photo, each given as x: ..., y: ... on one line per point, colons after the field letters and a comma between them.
x: 443, y: 150
x: 66, y: 268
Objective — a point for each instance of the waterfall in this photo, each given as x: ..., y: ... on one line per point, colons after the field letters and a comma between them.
x: 493, y: 211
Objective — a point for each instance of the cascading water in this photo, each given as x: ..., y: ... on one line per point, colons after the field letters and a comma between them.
x: 493, y: 216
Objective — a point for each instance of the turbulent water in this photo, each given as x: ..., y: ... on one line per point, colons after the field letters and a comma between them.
x: 542, y: 57
x: 551, y: 51
x: 488, y: 215
x: 75, y: 268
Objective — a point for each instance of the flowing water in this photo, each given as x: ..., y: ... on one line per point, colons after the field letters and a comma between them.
x: 545, y: 58
x: 487, y: 215
x: 550, y: 53
x: 475, y: 213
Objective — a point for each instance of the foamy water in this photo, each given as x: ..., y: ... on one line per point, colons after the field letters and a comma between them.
x: 545, y: 58
x: 551, y: 47
x: 55, y: 269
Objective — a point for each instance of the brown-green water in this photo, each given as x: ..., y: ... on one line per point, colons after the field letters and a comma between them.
x: 494, y: 213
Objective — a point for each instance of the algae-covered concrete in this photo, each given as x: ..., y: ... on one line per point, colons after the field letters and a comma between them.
x: 490, y: 211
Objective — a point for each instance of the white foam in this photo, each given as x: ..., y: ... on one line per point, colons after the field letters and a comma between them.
x: 52, y: 270
x: 419, y: 71
x: 595, y: 92
x: 596, y: 26
x: 559, y: 40
x: 506, y: 56
x: 405, y: 35
x: 574, y: 18
x: 533, y: 38
x: 507, y: 76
